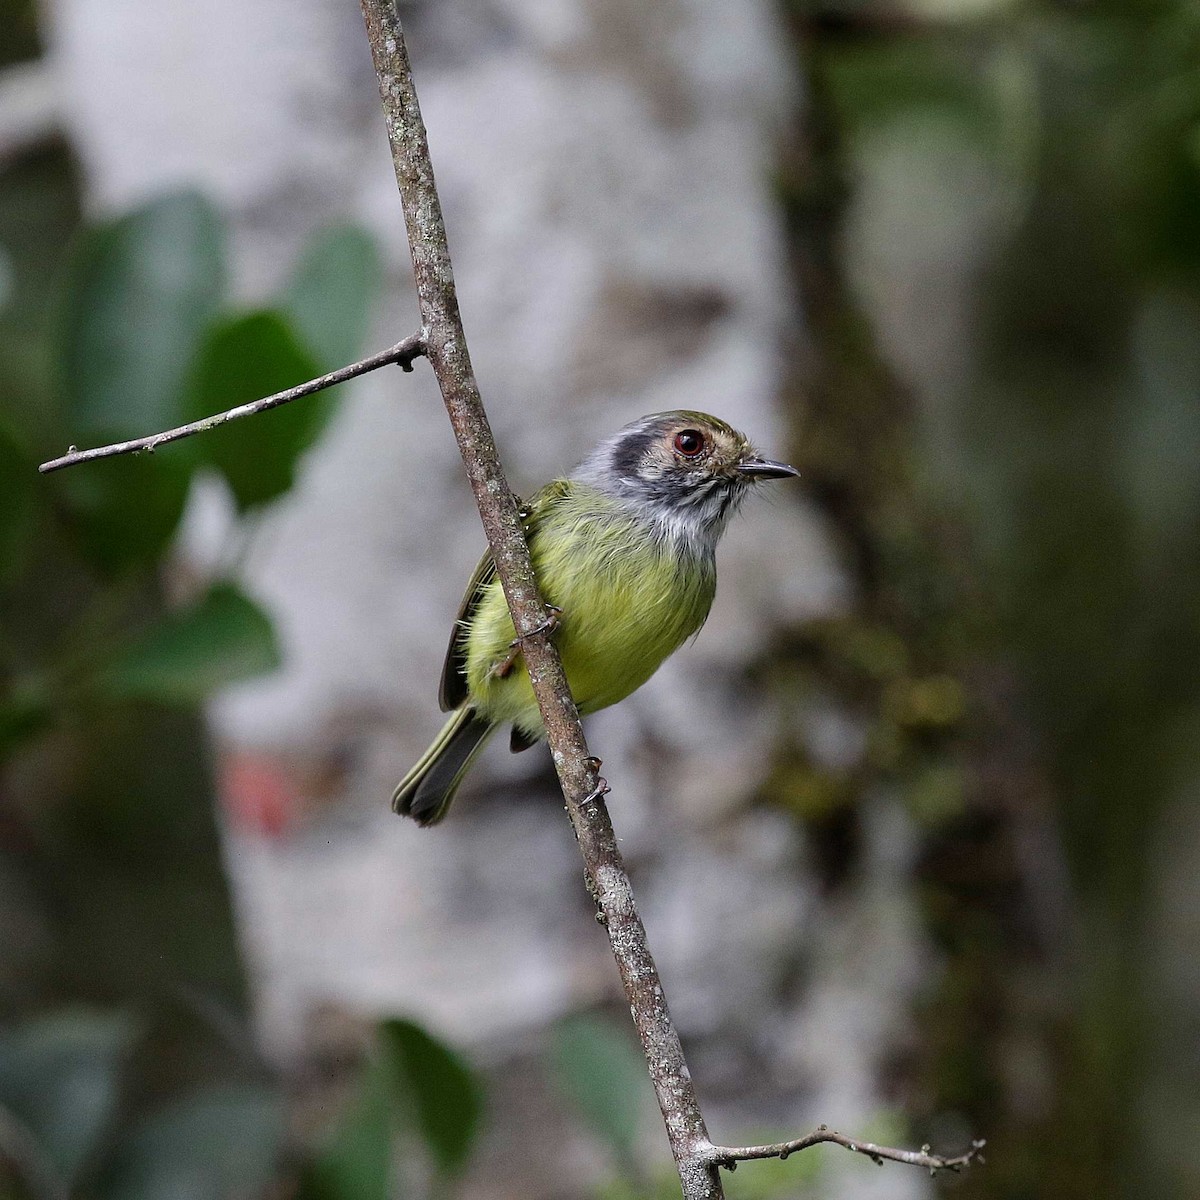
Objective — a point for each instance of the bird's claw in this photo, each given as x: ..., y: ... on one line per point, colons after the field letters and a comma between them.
x: 548, y: 626
x: 504, y: 667
x: 601, y: 789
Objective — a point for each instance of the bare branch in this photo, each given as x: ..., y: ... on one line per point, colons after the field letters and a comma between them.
x: 729, y: 1156
x: 401, y: 354
x: 583, y: 790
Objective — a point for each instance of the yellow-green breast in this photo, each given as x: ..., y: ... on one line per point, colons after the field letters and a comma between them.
x: 629, y: 598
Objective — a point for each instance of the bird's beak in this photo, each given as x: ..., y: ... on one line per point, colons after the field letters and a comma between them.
x: 764, y: 468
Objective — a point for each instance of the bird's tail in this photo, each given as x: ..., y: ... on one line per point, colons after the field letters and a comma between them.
x: 426, y: 791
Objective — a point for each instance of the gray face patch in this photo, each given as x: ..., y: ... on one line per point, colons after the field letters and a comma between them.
x: 631, y: 452
x: 687, y: 501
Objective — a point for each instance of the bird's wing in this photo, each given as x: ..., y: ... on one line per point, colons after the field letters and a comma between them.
x: 453, y: 689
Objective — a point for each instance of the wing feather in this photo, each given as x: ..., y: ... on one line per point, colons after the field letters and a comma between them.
x: 453, y: 688
x: 452, y: 692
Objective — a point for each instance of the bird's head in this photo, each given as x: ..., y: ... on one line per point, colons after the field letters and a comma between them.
x: 686, y: 471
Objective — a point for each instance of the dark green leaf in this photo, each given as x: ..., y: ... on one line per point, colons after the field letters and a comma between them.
x: 356, y: 1163
x: 798, y: 1175
x: 22, y: 718
x: 142, y: 290
x: 219, y: 1143
x: 60, y: 1075
x: 438, y: 1087
x: 331, y: 295
x: 223, y: 638
x: 17, y: 480
x: 124, y: 511
x: 243, y: 359
x: 874, y: 85
x: 599, y: 1069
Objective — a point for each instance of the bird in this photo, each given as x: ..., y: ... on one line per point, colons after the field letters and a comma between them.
x: 623, y: 551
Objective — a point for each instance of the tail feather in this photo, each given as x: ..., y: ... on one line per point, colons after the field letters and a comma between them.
x: 426, y: 792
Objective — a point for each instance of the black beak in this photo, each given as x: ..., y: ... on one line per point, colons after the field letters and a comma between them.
x: 764, y: 468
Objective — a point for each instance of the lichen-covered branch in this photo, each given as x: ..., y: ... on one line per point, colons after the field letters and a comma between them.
x: 401, y: 354
x: 583, y: 790
x: 698, y: 1160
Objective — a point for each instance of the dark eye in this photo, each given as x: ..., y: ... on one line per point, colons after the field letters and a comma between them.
x: 689, y: 442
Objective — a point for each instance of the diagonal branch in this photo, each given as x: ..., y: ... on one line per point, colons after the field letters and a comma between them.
x: 402, y: 354
x: 583, y: 790
x: 696, y: 1158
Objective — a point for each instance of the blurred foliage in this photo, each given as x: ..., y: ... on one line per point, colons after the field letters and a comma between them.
x: 141, y: 292
x: 415, y: 1092
x: 140, y: 299
x: 258, y: 458
x: 19, y: 19
x: 58, y: 1078
x: 443, y: 1096
x: 1025, y: 545
x: 71, y: 1124
x: 126, y: 1071
x: 800, y: 1177
x: 219, y: 639
x: 328, y: 302
x: 221, y: 1140
x: 600, y: 1069
x: 110, y: 868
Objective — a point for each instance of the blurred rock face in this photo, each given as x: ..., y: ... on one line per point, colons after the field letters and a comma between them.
x: 605, y: 173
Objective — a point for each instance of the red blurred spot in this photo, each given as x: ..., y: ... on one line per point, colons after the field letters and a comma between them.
x: 258, y: 793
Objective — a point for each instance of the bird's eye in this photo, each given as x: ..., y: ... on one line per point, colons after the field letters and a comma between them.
x: 689, y: 442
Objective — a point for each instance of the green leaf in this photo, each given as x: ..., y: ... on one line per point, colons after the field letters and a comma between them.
x: 874, y: 85
x: 17, y: 479
x: 331, y: 295
x: 124, y: 511
x: 22, y: 718
x: 223, y: 638
x: 140, y: 294
x: 245, y: 358
x: 221, y: 1142
x: 600, y: 1070
x: 356, y: 1163
x: 798, y: 1175
x: 61, y: 1076
x: 438, y: 1087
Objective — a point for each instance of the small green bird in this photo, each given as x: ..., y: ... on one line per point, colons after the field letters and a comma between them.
x: 624, y: 554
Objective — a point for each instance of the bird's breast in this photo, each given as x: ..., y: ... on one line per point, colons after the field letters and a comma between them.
x: 629, y: 598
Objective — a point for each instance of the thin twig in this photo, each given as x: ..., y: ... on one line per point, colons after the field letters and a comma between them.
x: 402, y: 354
x: 729, y: 1156
x: 446, y: 347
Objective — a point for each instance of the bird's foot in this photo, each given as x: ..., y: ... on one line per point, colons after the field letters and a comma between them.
x: 548, y: 626
x: 504, y: 667
x: 601, y: 789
